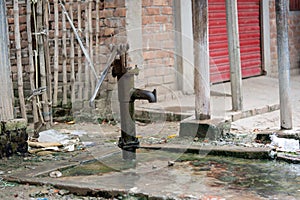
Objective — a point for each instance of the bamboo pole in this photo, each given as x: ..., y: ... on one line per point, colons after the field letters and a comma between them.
x: 64, y: 66
x: 97, y: 37
x: 19, y: 59
x: 31, y: 62
x: 47, y: 55
x: 72, y: 79
x: 87, y: 43
x: 90, y: 22
x: 56, y: 52
x: 37, y: 126
x: 79, y: 73
x: 43, y: 78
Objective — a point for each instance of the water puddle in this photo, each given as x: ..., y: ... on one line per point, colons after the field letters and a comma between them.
x: 266, y: 178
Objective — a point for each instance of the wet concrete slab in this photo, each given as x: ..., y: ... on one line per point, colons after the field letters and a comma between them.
x: 151, y: 178
x: 226, y: 150
x: 177, y: 182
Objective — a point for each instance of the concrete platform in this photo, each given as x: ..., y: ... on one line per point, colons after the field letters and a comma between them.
x: 143, y: 182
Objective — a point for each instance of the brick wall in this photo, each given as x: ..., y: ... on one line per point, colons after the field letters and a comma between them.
x: 159, y: 45
x: 111, y: 25
x: 294, y: 40
x: 158, y: 49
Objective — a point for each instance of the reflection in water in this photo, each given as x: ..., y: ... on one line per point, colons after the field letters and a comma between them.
x: 267, y: 178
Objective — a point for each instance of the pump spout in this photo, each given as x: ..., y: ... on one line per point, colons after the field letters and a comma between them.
x: 143, y: 95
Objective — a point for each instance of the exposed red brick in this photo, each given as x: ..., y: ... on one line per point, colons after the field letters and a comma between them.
x: 108, y: 13
x: 148, y: 20
x: 161, y: 19
x: 160, y: 2
x: 120, y: 12
x: 109, y: 31
x: 152, y: 11
x: 147, y: 2
x: 167, y: 10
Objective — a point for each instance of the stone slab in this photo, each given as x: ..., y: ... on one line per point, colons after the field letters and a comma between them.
x: 205, y: 129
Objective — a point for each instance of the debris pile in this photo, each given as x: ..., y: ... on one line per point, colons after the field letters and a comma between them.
x: 50, y: 141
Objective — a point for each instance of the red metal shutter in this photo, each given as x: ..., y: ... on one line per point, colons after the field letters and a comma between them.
x: 250, y: 45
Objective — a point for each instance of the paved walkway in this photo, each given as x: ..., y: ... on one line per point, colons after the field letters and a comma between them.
x: 260, y: 98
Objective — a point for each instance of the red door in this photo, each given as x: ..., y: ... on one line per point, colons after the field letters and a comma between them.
x: 250, y: 44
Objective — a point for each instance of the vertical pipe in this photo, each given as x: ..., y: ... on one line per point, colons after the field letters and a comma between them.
x: 201, y: 59
x: 283, y: 64
x: 128, y: 132
x: 234, y: 54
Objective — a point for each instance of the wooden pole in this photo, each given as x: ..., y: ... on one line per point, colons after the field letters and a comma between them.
x: 56, y: 52
x: 79, y: 73
x: 6, y: 89
x: 201, y: 59
x: 87, y: 43
x: 234, y: 54
x: 97, y: 54
x: 90, y: 22
x: 31, y: 62
x: 19, y: 59
x: 42, y: 66
x: 47, y: 56
x: 72, y: 55
x: 64, y: 55
x: 283, y: 64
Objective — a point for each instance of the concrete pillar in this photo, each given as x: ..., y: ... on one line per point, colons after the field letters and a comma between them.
x: 266, y: 41
x: 185, y: 56
x: 283, y: 64
x: 134, y: 32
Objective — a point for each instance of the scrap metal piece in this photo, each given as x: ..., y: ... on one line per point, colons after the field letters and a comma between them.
x: 37, y: 92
